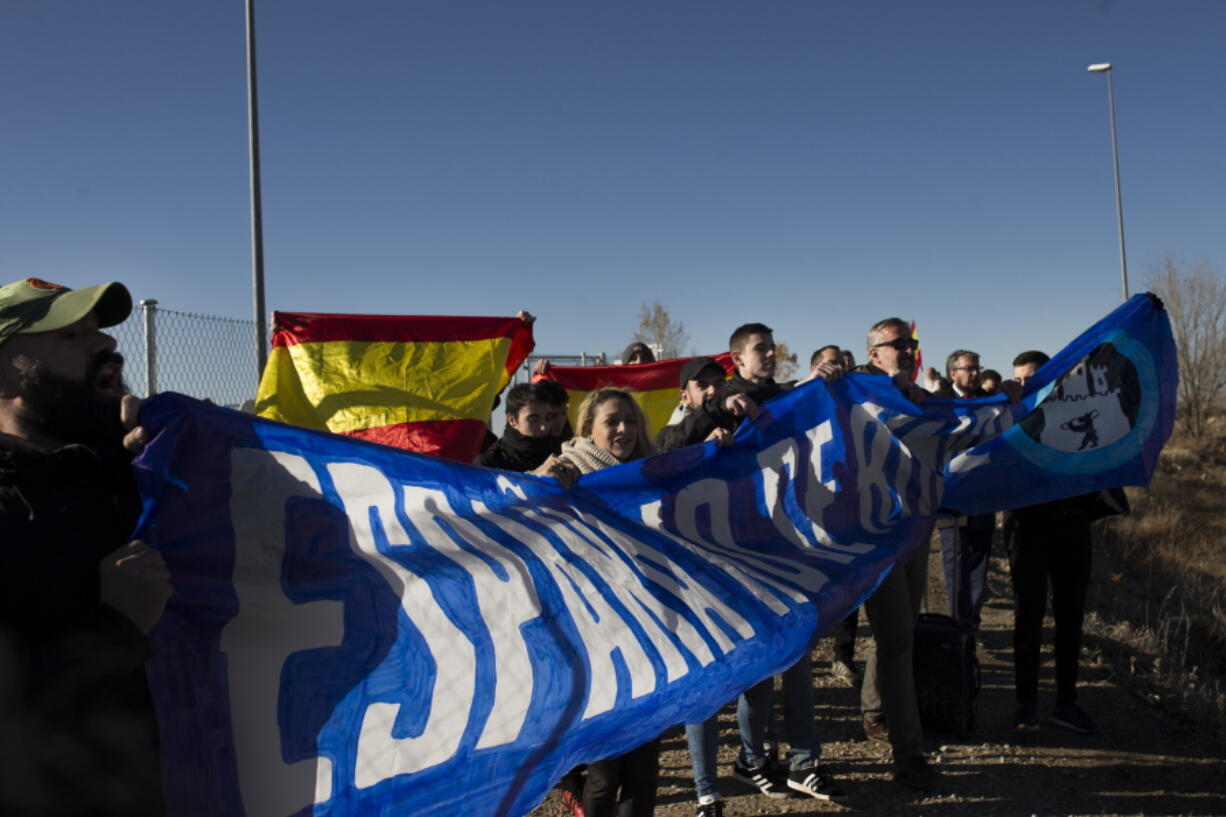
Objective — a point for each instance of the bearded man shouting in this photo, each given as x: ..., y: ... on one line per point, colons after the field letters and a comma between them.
x: 77, y: 732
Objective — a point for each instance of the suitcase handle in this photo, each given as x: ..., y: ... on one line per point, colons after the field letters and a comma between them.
x: 978, y: 678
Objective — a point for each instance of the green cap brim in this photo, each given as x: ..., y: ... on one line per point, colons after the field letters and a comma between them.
x: 111, y: 304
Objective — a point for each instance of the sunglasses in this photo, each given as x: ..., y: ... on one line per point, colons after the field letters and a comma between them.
x: 899, y: 344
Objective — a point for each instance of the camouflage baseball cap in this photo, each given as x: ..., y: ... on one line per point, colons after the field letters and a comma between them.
x: 34, y: 305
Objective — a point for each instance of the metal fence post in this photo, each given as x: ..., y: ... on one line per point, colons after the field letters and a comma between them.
x: 149, y: 307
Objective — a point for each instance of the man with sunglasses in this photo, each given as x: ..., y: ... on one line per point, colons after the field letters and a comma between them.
x: 891, y: 351
x: 966, y: 541
x: 887, y: 696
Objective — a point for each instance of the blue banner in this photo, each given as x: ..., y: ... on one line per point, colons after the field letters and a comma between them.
x: 1098, y: 413
x: 356, y: 630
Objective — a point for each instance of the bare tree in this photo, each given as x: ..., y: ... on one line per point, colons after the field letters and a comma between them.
x: 785, y: 363
x: 1196, y: 304
x: 658, y: 330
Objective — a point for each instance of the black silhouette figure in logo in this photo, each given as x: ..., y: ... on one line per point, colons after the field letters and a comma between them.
x: 1084, y: 425
x: 1100, y: 398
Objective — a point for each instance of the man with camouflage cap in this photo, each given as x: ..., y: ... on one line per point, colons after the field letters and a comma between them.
x: 78, y: 597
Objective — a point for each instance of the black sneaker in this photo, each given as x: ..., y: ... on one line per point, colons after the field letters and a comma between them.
x: 1027, y: 720
x: 1072, y: 716
x: 816, y: 781
x: 915, y: 773
x: 761, y: 778
x: 715, y: 808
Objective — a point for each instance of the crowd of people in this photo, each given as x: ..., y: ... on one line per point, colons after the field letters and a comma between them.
x: 79, y: 598
x: 1046, y: 544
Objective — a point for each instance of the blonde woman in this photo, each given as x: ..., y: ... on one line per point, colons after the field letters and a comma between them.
x: 612, y: 430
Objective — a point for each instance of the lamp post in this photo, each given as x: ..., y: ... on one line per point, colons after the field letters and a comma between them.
x: 1105, y: 68
x: 257, y: 217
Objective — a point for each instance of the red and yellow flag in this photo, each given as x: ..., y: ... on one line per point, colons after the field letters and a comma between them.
x: 654, y: 386
x: 426, y: 384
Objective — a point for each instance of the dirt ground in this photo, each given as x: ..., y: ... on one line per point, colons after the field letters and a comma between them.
x: 1142, y: 761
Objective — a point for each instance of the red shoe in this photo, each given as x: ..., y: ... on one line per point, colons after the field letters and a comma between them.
x: 572, y: 804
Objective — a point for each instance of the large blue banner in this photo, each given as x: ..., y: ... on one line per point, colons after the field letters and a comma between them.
x: 356, y: 630
x: 1098, y: 413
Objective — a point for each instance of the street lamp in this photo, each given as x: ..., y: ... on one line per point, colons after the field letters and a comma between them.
x: 1105, y: 68
x: 257, y: 209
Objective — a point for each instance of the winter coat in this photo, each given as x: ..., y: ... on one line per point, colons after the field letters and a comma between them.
x: 758, y: 392
x: 696, y: 425
x: 515, y: 452
x: 74, y: 696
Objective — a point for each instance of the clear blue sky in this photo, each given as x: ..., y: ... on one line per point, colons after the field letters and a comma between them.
x: 814, y: 165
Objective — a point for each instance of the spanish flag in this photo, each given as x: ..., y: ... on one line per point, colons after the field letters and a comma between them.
x: 654, y: 386
x: 425, y: 384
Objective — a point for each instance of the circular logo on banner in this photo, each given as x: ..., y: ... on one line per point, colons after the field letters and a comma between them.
x: 1093, y: 405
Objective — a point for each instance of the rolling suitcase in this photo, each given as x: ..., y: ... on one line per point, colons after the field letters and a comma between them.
x: 946, y: 673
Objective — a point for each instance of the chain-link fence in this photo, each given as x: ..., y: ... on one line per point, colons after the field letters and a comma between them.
x: 524, y: 373
x: 213, y: 358
x: 203, y: 356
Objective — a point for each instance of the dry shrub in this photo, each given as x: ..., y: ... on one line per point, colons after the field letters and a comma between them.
x: 1161, y: 611
x: 1195, y: 298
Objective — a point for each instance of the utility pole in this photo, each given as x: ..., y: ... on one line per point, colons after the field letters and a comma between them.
x: 1105, y: 68
x: 257, y: 217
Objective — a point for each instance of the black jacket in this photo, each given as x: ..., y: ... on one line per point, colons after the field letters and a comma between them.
x: 982, y: 522
x: 515, y: 452
x: 946, y: 389
x: 759, y: 393
x: 696, y: 426
x: 80, y: 736
x: 1073, y: 510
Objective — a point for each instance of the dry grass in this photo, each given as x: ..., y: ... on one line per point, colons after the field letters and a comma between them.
x: 1161, y: 601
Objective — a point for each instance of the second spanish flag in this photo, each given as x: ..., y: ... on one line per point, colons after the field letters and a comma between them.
x: 423, y: 383
x: 654, y: 386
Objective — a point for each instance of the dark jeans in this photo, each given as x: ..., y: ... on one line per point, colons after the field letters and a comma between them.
x: 965, y: 551
x: 1039, y: 554
x: 623, y: 786
x: 844, y: 636
x: 753, y: 717
x: 888, y: 691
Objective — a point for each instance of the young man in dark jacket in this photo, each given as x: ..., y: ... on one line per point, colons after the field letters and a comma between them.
x: 536, y: 428
x: 752, y: 347
x: 1051, y: 543
x: 706, y: 411
x: 79, y: 736
x: 532, y: 432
